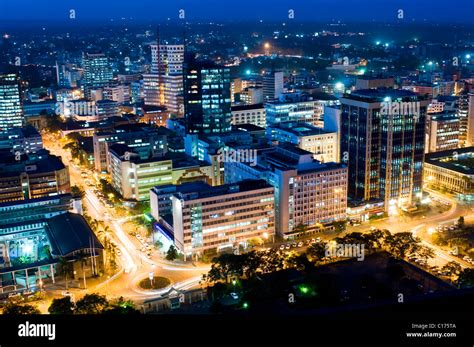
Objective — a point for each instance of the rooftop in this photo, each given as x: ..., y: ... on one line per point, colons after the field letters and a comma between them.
x: 69, y: 233
x: 300, y: 128
x: 460, y: 160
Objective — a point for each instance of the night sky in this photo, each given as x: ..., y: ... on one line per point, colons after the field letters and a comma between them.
x: 239, y: 10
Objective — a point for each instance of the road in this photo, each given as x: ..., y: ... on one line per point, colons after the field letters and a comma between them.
x: 135, y: 266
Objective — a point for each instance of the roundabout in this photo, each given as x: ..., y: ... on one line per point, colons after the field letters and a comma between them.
x: 154, y: 283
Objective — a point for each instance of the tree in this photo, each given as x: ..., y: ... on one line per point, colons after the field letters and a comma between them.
x: 272, y: 261
x: 122, y: 306
x: 66, y: 268
x: 461, y: 222
x: 299, y: 262
x: 317, y: 251
x: 251, y: 263
x: 425, y: 253
x: 401, y: 245
x: 466, y: 278
x: 172, y: 253
x: 62, y: 306
x: 13, y: 308
x: 339, y: 226
x: 92, y: 304
x: 77, y: 192
x: 452, y: 268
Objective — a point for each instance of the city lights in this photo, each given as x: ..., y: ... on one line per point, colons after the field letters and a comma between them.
x: 189, y: 161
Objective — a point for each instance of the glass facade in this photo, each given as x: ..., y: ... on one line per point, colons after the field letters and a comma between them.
x: 207, y: 98
x: 11, y: 112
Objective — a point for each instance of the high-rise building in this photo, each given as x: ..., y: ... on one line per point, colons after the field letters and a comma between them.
x: 442, y: 132
x: 463, y: 115
x: 164, y: 85
x: 382, y: 142
x: 470, y: 121
x: 21, y: 140
x: 308, y: 193
x: 11, y: 111
x: 97, y: 71
x: 272, y: 85
x: 205, y: 218
x: 206, y: 97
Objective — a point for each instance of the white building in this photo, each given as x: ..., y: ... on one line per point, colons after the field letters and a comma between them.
x: 205, y: 218
x: 323, y: 144
x: 307, y: 193
x: 249, y: 114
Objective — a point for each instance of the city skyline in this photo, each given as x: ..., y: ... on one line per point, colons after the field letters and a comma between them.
x: 306, y: 11
x: 206, y: 159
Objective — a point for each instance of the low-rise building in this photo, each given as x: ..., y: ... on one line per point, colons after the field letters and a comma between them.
x: 32, y: 175
x: 133, y: 177
x: 145, y: 140
x: 323, y: 144
x: 451, y: 171
x: 249, y: 114
x: 38, y: 234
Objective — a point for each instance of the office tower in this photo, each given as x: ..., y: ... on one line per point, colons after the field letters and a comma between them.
x: 272, y: 85
x: 145, y: 140
x: 252, y: 96
x: 374, y: 82
x: 290, y: 111
x: 249, y: 114
x: 151, y: 90
x: 206, y: 97
x: 106, y: 108
x: 323, y: 144
x: 63, y: 76
x: 382, y: 142
x: 308, y: 193
x: 35, y: 175
x: 120, y: 93
x: 11, y: 111
x: 442, y: 132
x: 164, y: 85
x: 205, y: 218
x: 463, y: 115
x: 21, y: 140
x: 470, y: 121
x: 133, y: 177
x: 97, y: 71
